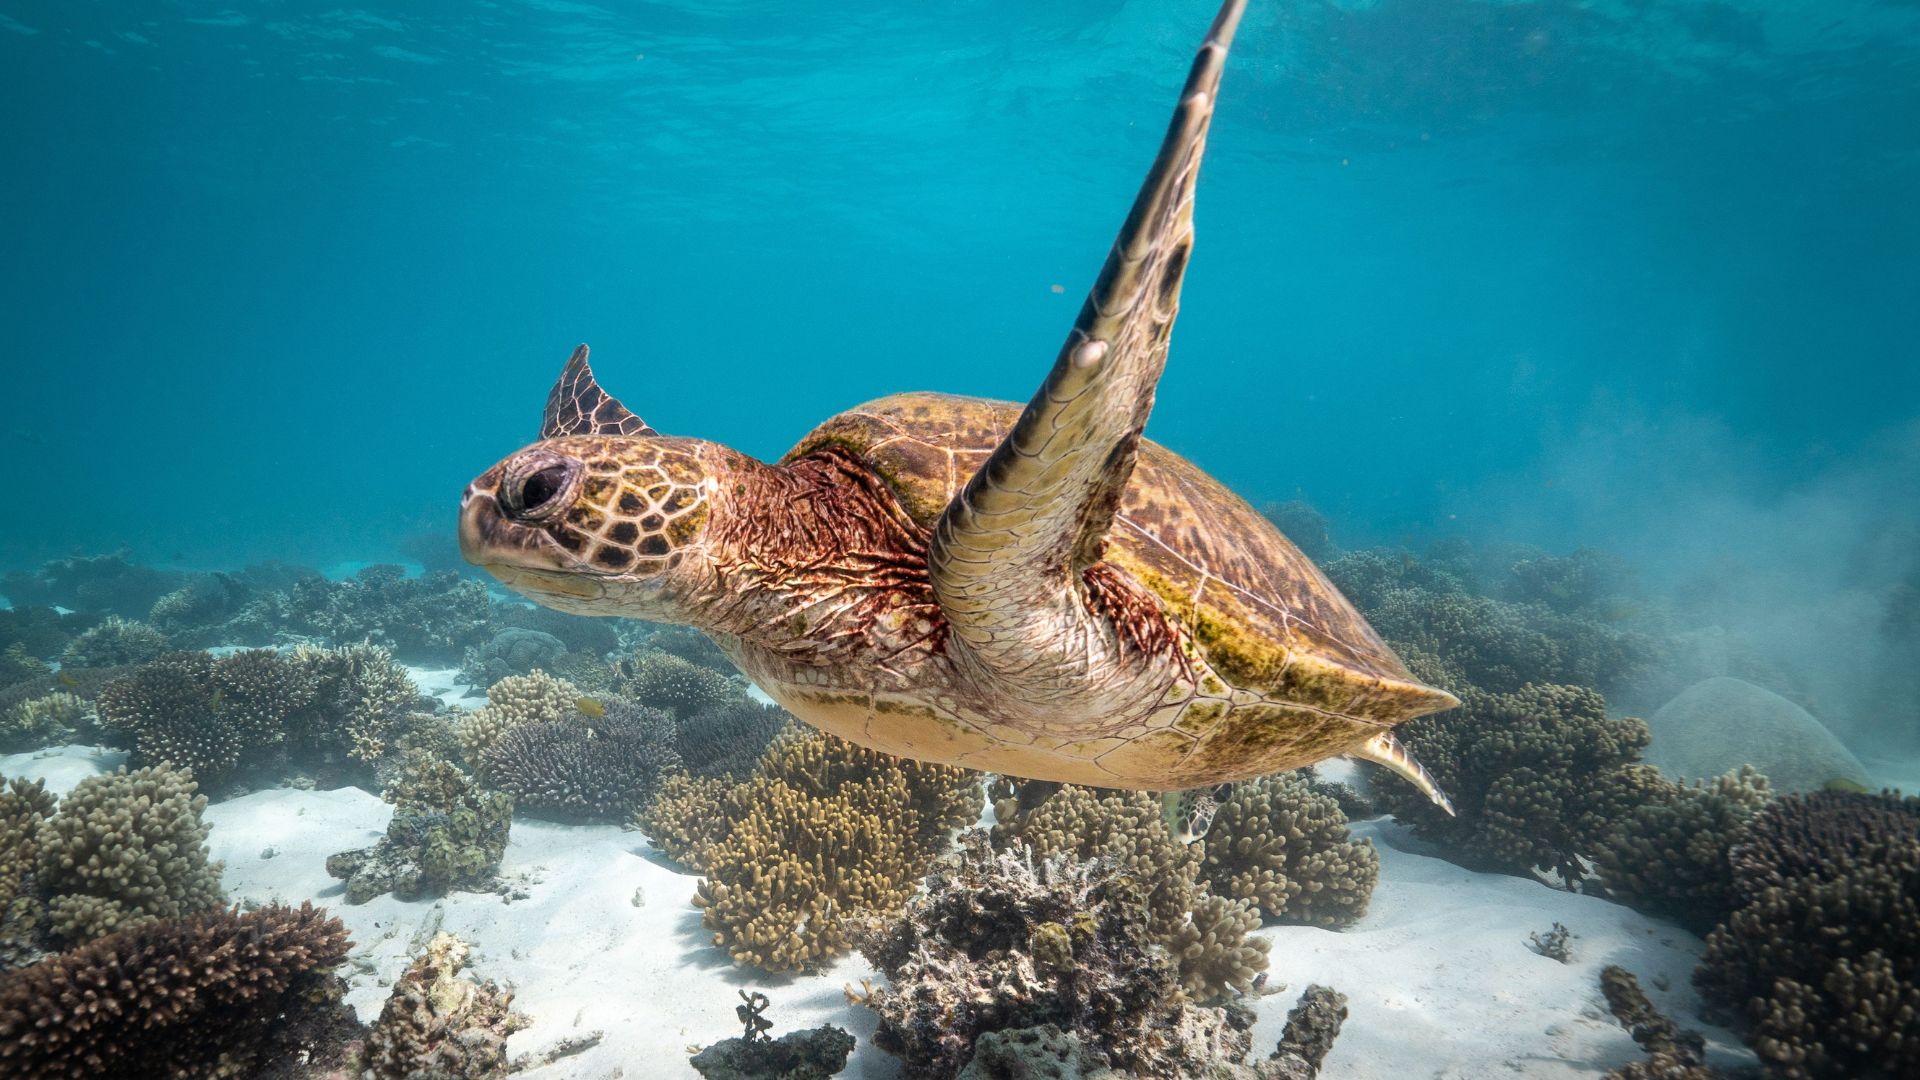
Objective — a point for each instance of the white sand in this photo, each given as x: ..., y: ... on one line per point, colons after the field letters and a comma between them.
x: 62, y: 766
x: 1440, y: 980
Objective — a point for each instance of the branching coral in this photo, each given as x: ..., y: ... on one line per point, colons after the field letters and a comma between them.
x: 665, y: 681
x: 1207, y: 934
x: 1537, y: 777
x: 1668, y: 855
x: 1285, y: 847
x: 1821, y: 963
x: 440, y: 1025
x: 822, y: 831
x: 597, y: 768
x: 728, y: 739
x: 517, y: 700
x: 1011, y: 940
x: 360, y: 703
x: 123, y: 848
x: 207, y: 611
x: 433, y: 618
x: 114, y: 642
x: 193, y: 998
x: 24, y: 809
x: 446, y: 833
x: 40, y: 631
x: 204, y: 713
x: 103, y: 584
x: 17, y: 666
x: 44, y: 721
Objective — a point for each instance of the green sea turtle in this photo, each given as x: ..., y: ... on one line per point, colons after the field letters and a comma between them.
x: 1037, y: 592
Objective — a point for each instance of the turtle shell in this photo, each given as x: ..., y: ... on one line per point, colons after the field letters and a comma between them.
x: 1266, y: 619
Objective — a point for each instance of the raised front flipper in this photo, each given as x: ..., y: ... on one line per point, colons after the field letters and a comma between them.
x: 1007, y: 553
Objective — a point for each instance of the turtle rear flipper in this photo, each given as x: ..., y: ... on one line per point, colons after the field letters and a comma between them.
x: 1006, y: 552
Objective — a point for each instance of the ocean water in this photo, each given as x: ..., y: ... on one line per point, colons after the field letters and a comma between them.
x: 280, y: 278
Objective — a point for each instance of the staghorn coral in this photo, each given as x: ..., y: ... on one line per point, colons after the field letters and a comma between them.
x: 1206, y: 934
x: 125, y: 847
x: 1673, y: 1053
x: 438, y: 1024
x: 1285, y: 847
x: 1010, y: 940
x: 113, y: 643
x: 433, y: 618
x: 1667, y: 855
x: 44, y: 721
x: 535, y: 698
x: 193, y: 998
x: 823, y: 830
x: 585, y: 767
x: 665, y: 681
x: 1820, y: 964
x: 1537, y: 777
x: 446, y: 833
x: 205, y: 713
x: 728, y: 739
x: 511, y: 651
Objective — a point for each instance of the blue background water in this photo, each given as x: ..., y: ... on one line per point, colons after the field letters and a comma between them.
x: 279, y: 277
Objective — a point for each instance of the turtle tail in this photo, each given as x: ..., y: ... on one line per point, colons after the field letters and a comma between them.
x: 1386, y: 751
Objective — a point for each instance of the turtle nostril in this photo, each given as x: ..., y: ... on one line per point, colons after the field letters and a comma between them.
x: 542, y: 487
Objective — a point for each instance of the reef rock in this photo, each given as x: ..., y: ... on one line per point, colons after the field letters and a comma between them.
x: 1722, y: 723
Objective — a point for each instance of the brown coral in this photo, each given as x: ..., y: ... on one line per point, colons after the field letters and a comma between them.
x: 1284, y: 846
x: 1669, y: 854
x: 439, y: 1024
x: 205, y: 996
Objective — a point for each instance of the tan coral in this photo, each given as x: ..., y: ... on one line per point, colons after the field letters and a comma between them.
x: 1287, y: 849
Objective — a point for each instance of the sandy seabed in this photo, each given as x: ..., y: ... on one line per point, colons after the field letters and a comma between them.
x: 602, y: 937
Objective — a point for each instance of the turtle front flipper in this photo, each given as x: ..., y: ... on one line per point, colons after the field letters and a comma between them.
x: 1005, y: 553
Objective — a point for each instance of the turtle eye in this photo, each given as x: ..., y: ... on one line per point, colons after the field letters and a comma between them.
x: 540, y: 491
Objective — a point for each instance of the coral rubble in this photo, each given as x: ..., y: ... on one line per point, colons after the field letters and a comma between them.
x: 813, y: 1054
x: 1673, y: 1053
x: 189, y: 998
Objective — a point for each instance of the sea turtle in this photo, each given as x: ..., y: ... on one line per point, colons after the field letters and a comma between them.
x: 1037, y: 592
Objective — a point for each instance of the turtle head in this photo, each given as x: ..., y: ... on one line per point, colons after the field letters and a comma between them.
x: 602, y: 516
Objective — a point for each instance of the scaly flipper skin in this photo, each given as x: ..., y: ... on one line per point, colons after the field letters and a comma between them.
x: 577, y: 406
x: 1006, y: 552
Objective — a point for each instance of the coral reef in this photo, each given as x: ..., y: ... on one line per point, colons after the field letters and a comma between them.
x: 205, y: 713
x: 360, y: 704
x: 1305, y: 526
x: 192, y: 998
x: 24, y: 809
x: 1536, y: 775
x: 823, y: 830
x: 814, y: 1054
x: 1284, y: 846
x: 114, y: 642
x: 688, y: 644
x: 1668, y: 855
x: 585, y: 767
x: 727, y: 739
x: 438, y: 1024
x: 1207, y: 934
x: 1672, y: 1052
x: 446, y: 833
x: 1820, y: 965
x: 125, y: 847
x: 44, y: 721
x: 40, y: 631
x: 212, y: 609
x: 666, y: 681
x: 515, y: 701
x: 512, y: 651
x: 99, y: 584
x: 432, y: 619
x: 1555, y: 944
x: 18, y: 666
x: 594, y: 637
x: 1011, y: 940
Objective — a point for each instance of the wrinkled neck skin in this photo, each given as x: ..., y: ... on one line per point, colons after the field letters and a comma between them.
x: 814, y: 564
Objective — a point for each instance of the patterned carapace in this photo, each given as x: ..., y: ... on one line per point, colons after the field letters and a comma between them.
x: 1037, y: 591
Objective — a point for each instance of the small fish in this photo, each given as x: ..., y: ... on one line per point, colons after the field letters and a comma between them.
x: 1842, y: 784
x: 69, y: 681
x: 219, y: 695
x: 591, y: 706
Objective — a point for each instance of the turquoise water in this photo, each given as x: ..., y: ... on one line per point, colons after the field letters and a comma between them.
x: 280, y: 277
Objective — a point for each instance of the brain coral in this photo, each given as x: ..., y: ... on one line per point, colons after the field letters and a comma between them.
x: 123, y: 848
x: 600, y: 768
x: 204, y: 996
x: 1280, y: 844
